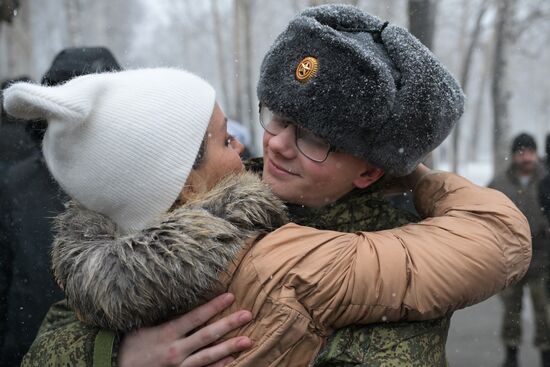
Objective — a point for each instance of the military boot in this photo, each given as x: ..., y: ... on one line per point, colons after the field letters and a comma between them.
x: 511, y: 357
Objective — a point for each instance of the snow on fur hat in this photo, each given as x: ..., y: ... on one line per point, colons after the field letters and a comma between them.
x: 121, y: 144
x: 371, y: 89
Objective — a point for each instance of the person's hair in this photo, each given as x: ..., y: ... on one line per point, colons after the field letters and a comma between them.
x: 200, y: 155
x: 199, y: 159
x: 522, y: 142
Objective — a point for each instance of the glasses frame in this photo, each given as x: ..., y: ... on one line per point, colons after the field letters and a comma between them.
x: 297, y: 130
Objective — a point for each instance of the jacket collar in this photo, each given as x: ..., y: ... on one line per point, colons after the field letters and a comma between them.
x: 178, y: 262
x: 359, y: 210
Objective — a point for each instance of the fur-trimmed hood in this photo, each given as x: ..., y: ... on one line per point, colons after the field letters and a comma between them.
x: 125, y: 282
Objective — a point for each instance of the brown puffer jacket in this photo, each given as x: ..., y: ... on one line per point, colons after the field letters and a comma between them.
x: 299, y: 283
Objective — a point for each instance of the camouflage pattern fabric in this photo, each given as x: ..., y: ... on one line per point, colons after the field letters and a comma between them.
x: 403, y: 344
x: 62, y: 341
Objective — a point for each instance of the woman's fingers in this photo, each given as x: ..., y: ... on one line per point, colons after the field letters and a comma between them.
x: 212, y: 333
x: 218, y: 355
x: 182, y: 325
x: 167, y: 344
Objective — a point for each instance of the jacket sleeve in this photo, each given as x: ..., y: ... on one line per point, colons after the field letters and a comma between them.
x: 64, y: 341
x: 475, y: 243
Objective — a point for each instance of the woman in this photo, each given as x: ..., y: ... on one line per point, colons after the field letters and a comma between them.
x: 160, y: 223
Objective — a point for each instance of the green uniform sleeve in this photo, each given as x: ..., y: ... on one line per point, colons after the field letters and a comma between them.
x: 62, y: 340
x: 407, y: 344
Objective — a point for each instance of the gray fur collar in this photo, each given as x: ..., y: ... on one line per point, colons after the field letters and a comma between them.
x: 125, y: 282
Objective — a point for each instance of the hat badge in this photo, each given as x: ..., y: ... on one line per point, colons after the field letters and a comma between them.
x: 306, y: 69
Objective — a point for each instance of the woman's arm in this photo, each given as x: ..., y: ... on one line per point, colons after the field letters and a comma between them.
x: 474, y: 243
x: 173, y: 344
x: 65, y: 341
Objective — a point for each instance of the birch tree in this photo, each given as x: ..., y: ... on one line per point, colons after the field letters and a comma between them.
x: 465, y: 73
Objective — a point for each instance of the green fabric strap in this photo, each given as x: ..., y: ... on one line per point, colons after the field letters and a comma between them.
x: 103, y: 348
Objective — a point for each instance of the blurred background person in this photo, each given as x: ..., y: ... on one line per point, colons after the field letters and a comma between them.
x: 520, y: 183
x: 544, y: 198
x: 15, y: 143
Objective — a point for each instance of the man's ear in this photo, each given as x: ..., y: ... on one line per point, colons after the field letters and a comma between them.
x: 369, y: 176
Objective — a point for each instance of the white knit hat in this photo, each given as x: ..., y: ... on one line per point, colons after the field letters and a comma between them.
x: 121, y: 144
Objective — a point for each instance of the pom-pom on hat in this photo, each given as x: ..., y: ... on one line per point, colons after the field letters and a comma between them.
x: 371, y: 89
x: 121, y: 144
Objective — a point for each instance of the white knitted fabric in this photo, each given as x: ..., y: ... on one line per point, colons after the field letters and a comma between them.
x: 121, y: 144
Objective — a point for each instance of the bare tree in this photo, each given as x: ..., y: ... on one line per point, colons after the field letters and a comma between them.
x: 16, y: 44
x: 244, y: 109
x: 222, y: 70
x: 73, y: 10
x: 422, y: 15
x: 237, y: 56
x: 248, y: 73
x: 465, y: 73
x: 477, y: 120
x: 500, y: 88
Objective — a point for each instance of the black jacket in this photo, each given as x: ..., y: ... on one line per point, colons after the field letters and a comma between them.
x: 544, y: 195
x: 29, y: 198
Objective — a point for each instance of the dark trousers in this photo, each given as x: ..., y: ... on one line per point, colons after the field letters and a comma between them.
x: 512, y: 299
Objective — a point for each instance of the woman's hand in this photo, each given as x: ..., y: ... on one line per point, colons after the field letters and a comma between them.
x: 169, y: 345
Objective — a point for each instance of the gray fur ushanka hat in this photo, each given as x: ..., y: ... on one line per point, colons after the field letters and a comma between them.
x: 371, y: 89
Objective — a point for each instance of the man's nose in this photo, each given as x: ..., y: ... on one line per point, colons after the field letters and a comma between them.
x: 284, y: 142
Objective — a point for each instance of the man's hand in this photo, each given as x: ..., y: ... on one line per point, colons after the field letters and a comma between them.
x: 169, y: 345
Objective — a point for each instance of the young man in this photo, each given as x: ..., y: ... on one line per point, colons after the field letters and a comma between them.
x: 344, y: 99
x: 520, y: 183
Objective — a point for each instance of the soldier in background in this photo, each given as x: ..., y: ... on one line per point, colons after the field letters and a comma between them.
x: 544, y: 197
x: 520, y: 182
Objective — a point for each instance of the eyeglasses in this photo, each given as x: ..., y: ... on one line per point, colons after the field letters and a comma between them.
x: 310, y: 145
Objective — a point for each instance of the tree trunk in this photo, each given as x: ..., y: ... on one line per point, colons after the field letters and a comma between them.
x: 422, y: 15
x: 465, y: 73
x: 477, y: 121
x: 16, y: 45
x: 237, y: 55
x: 500, y: 88
x: 73, y: 10
x: 248, y: 74
x: 222, y: 71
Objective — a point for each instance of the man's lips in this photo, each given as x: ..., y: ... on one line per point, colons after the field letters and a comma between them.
x: 279, y: 170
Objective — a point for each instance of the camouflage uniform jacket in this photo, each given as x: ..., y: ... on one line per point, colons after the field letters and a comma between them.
x: 62, y: 340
